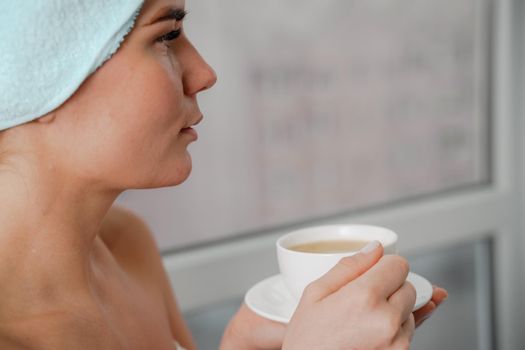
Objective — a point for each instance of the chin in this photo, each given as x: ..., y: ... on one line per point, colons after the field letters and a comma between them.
x: 180, y: 179
x: 176, y: 175
x: 167, y: 173
x: 168, y: 180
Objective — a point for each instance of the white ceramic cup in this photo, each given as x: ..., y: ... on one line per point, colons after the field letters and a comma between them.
x: 298, y: 269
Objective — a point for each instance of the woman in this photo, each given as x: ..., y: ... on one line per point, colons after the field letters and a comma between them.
x: 79, y: 273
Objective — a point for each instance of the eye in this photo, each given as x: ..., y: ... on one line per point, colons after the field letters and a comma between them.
x: 166, y: 38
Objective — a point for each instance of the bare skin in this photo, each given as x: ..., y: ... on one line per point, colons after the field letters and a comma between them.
x: 344, y: 309
x: 132, y: 307
x: 125, y: 127
x: 77, y: 272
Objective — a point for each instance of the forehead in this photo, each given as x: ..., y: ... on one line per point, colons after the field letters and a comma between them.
x: 153, y: 7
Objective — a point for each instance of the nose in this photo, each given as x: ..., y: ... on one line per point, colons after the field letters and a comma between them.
x: 199, y: 76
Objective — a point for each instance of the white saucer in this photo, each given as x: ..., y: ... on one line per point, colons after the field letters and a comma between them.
x: 271, y: 299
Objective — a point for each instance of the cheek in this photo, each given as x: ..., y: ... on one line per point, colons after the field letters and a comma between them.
x: 137, y: 102
x: 126, y: 118
x: 152, y: 95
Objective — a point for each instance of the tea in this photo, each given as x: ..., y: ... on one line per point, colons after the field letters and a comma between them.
x: 330, y: 246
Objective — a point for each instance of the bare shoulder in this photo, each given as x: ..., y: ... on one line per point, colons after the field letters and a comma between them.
x: 120, y: 221
x: 130, y: 240
x: 132, y: 244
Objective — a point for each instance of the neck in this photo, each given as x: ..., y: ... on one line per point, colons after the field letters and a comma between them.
x: 49, y: 224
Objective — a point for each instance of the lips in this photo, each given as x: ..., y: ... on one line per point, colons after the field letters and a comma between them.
x: 197, y: 121
x: 188, y: 130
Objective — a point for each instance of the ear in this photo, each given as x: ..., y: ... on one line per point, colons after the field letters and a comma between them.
x: 48, y: 118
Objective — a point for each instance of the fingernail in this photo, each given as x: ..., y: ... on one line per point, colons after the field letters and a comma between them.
x: 444, y: 291
x: 371, y: 246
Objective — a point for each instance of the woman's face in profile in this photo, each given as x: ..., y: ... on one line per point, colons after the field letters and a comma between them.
x: 128, y: 123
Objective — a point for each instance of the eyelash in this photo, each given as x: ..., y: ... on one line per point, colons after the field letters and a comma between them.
x: 174, y: 34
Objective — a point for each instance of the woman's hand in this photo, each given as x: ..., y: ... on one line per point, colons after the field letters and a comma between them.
x: 248, y: 331
x: 362, y: 303
x: 439, y: 295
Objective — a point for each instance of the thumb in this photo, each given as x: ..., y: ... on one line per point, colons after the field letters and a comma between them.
x: 346, y: 270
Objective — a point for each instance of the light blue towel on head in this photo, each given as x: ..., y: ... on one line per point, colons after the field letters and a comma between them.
x: 49, y: 47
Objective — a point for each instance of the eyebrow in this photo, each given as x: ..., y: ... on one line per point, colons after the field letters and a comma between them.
x: 169, y: 14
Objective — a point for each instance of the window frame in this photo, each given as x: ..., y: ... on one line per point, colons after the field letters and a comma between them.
x: 213, y: 273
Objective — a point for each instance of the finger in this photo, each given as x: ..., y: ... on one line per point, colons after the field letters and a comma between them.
x: 421, y: 321
x: 405, y: 335
x: 404, y: 300
x: 439, y: 295
x: 345, y: 271
x: 387, y: 276
x: 263, y: 333
x: 424, y: 313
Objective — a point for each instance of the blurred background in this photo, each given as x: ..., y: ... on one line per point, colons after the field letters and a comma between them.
x: 399, y: 113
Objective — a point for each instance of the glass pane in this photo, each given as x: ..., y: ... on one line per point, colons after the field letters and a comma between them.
x: 323, y: 107
x: 460, y: 323
x: 463, y: 321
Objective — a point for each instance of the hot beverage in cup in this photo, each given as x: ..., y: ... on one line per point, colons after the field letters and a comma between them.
x: 330, y: 246
x: 307, y: 254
